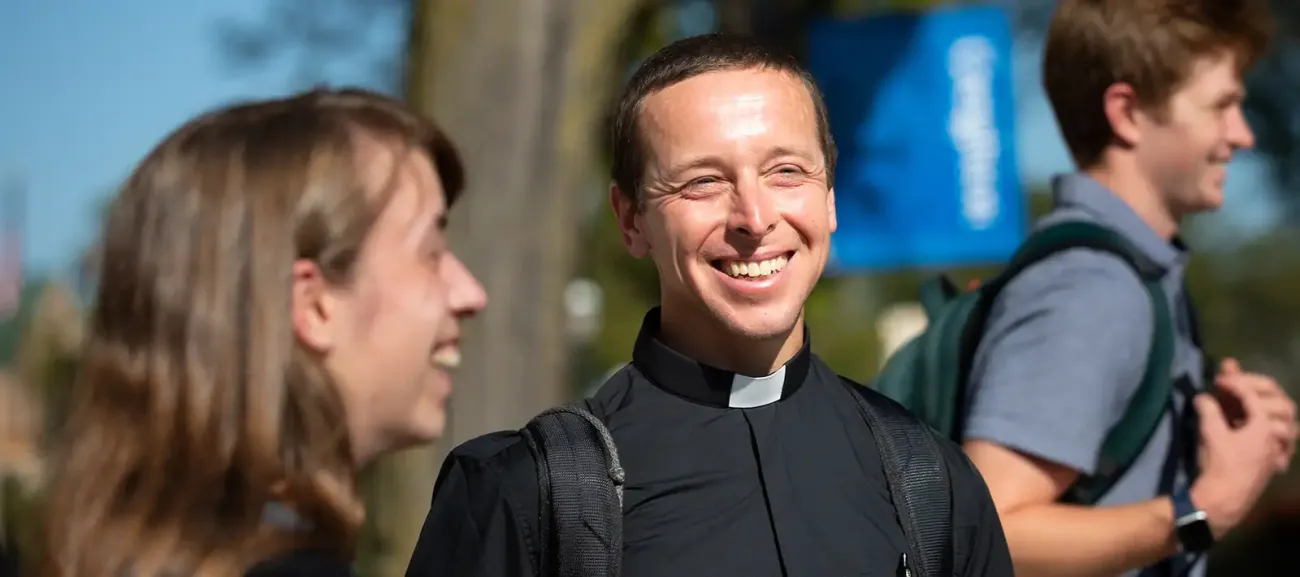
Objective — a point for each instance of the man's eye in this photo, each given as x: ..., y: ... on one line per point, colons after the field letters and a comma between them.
x: 789, y: 175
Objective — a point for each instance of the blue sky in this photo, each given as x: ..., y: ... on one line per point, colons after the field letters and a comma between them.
x: 88, y: 86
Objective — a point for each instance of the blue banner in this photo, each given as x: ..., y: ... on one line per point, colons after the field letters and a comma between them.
x: 922, y: 111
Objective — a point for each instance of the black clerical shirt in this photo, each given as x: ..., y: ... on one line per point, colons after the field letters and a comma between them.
x: 726, y: 476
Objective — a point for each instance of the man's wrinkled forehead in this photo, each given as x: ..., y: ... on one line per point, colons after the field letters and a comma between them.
x: 727, y: 107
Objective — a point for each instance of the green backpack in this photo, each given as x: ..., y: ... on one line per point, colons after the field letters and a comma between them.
x: 929, y: 373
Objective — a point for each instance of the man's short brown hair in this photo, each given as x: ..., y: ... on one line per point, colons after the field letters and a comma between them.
x: 1148, y: 44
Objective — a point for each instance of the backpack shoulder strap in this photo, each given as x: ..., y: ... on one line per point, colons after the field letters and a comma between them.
x: 1126, y: 439
x: 918, y: 480
x: 580, y: 490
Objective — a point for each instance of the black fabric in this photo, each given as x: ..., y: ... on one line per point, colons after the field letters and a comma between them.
x: 580, y: 484
x: 1184, y: 441
x: 792, y: 488
x: 917, y: 479
x: 8, y: 559
x: 696, y: 381
x: 302, y: 563
x: 483, y: 518
x: 1191, y: 421
x: 580, y: 489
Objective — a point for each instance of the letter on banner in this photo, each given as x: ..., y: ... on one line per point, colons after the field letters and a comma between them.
x: 922, y: 112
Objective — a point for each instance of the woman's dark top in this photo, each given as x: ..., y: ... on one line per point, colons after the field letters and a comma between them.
x: 8, y: 560
x: 302, y: 563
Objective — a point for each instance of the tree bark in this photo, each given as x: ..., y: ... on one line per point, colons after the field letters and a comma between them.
x: 522, y: 88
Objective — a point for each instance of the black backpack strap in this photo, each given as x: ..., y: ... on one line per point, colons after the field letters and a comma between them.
x: 580, y: 490
x: 1209, y: 363
x: 918, y: 481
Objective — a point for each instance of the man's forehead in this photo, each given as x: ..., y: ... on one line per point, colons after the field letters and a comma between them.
x: 728, y: 106
x: 1215, y: 73
x: 711, y: 88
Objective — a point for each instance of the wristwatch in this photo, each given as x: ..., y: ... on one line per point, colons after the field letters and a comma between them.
x: 1191, y: 525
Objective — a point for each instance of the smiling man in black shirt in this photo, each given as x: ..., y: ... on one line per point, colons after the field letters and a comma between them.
x: 745, y: 455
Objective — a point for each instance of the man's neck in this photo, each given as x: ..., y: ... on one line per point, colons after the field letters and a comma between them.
x: 698, y: 335
x: 1138, y: 193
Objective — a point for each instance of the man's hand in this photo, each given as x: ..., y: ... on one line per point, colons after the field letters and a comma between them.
x: 1239, y: 458
x: 1277, y: 406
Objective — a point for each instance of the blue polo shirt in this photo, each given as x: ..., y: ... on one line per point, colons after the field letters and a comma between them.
x: 1066, y: 346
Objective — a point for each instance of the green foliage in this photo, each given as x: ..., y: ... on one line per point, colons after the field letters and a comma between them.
x: 12, y: 329
x: 1249, y: 300
x: 844, y: 334
x: 38, y: 359
x: 21, y: 521
x: 631, y: 287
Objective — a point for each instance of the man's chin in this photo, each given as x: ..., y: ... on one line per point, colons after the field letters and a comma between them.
x: 1211, y: 201
x: 760, y: 323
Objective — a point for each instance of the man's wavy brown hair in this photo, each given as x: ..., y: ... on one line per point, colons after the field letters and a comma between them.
x: 196, y: 406
x: 1151, y: 45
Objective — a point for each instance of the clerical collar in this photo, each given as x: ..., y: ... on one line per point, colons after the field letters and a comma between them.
x: 696, y: 381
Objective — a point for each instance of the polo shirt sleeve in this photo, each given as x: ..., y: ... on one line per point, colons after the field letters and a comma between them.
x: 1063, y: 352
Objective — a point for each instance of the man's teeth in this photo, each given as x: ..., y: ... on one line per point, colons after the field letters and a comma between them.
x: 754, y: 269
x: 447, y: 358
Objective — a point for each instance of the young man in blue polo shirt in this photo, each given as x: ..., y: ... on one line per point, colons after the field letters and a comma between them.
x: 1148, y: 97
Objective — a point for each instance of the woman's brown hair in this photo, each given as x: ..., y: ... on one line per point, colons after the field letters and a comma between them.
x: 196, y: 406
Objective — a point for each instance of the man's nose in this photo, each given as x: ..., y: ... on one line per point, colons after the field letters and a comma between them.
x: 753, y: 212
x: 1240, y: 136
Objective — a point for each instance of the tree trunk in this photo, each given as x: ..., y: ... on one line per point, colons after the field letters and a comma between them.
x: 522, y: 88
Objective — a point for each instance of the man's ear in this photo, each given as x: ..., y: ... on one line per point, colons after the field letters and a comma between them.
x: 630, y: 222
x: 1124, y: 113
x: 313, y: 308
x: 831, y: 222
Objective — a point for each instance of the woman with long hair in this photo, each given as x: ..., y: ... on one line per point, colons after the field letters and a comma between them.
x: 276, y: 307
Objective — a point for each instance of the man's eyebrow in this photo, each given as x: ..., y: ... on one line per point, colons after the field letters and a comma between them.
x: 440, y: 223
x: 676, y: 171
x: 779, y: 151
x: 700, y: 162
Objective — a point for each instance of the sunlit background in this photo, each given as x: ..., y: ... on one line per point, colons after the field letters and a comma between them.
x: 88, y: 86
